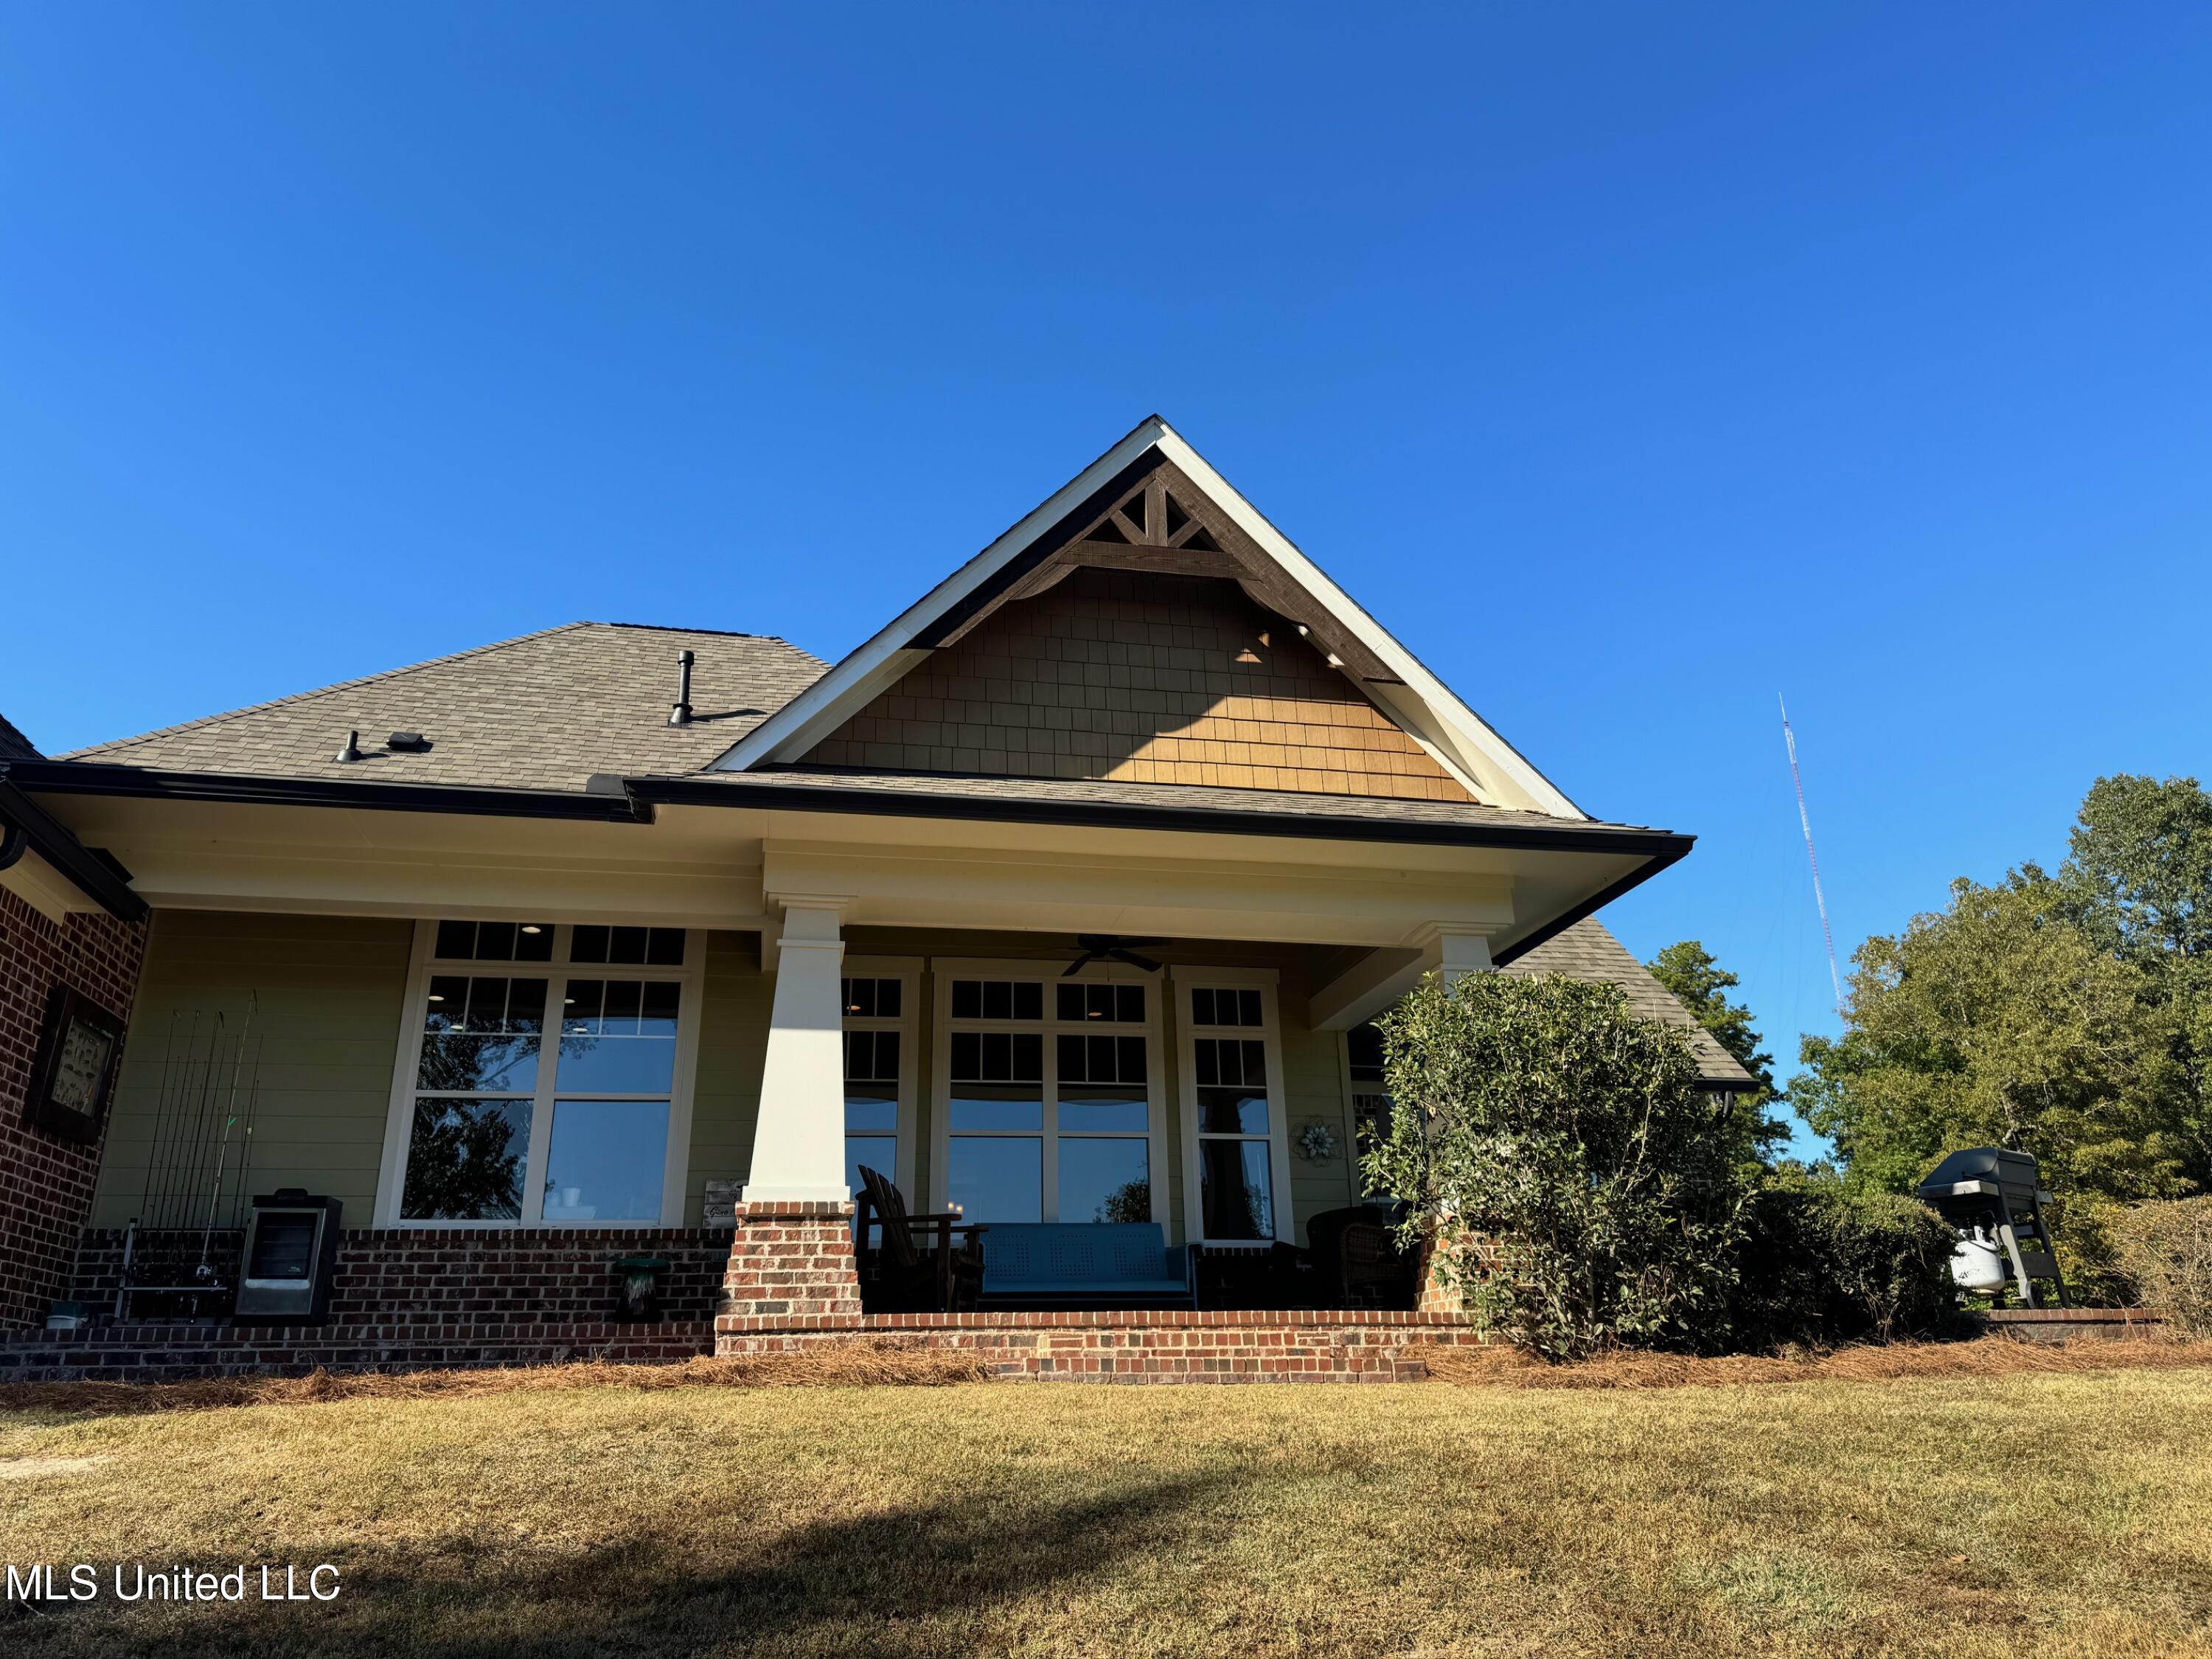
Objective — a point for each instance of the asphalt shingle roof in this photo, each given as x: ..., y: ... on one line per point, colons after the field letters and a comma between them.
x: 550, y: 710
x: 1587, y: 951
x: 546, y: 711
x: 14, y: 745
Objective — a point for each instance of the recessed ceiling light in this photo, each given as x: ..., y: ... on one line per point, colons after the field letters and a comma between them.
x: 434, y: 997
x: 531, y: 927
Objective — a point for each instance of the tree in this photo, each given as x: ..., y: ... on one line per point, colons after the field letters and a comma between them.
x: 1698, y: 982
x: 1998, y: 1022
x: 2137, y: 880
x: 1567, y: 1148
x: 1995, y: 1022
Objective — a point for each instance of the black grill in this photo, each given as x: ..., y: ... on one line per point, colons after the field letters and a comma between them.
x: 1993, y: 1198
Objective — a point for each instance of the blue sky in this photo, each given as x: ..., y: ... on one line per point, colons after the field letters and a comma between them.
x: 1633, y: 363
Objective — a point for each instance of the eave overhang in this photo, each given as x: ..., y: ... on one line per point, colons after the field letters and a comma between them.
x: 27, y: 827
x: 1625, y: 856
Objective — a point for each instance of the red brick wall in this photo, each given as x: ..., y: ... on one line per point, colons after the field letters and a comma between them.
x: 45, y: 1182
x: 480, y: 1281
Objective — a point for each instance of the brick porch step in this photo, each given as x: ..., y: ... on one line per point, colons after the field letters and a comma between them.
x: 1123, y: 1346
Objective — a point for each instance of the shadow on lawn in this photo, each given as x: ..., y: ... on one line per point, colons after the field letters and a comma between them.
x: 929, y: 1578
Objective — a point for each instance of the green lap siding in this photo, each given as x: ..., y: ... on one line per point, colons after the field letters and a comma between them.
x: 1313, y: 1075
x: 733, y: 1047
x: 323, y: 993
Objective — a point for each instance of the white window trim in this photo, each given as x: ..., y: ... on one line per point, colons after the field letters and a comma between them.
x: 948, y: 968
x: 908, y: 971
x: 1187, y: 977
x: 400, y: 1122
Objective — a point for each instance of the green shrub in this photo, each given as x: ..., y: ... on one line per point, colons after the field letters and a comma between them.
x: 1588, y: 1195
x: 2166, y: 1250
x: 1822, y: 1266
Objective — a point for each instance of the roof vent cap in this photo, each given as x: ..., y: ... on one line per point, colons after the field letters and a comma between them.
x: 407, y: 743
x: 679, y: 713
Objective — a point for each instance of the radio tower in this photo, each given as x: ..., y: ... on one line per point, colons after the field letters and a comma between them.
x: 1790, y: 738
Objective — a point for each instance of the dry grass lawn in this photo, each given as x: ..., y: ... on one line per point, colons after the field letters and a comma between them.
x: 2043, y: 1511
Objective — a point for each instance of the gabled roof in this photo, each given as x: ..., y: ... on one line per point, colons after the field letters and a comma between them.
x: 1260, y: 557
x: 1587, y: 951
x: 14, y: 745
x: 546, y: 711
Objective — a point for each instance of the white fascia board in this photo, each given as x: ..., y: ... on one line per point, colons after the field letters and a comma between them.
x: 1453, y: 732
x: 884, y: 660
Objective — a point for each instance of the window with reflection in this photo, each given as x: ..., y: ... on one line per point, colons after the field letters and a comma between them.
x: 1236, y: 1124
x: 545, y: 1096
x: 476, y: 1084
x: 1048, y: 1107
x: 875, y: 1045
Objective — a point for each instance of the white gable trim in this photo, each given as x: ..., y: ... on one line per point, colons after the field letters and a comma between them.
x: 1458, y: 737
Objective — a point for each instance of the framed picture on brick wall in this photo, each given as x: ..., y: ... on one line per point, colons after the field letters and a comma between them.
x: 74, y: 1072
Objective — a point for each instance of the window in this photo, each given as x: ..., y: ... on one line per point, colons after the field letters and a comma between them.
x: 1050, y: 1103
x: 559, y: 1096
x: 878, y: 1053
x: 1235, y: 1140
x: 1370, y: 1101
x: 1238, y: 1005
x: 496, y: 941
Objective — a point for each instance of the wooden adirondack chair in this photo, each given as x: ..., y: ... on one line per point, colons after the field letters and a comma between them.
x: 942, y: 1274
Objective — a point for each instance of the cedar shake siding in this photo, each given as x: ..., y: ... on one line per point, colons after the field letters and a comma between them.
x: 1143, y: 679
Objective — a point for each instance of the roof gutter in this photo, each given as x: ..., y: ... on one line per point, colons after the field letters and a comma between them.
x: 27, y: 827
x: 94, y: 778
x: 1664, y: 846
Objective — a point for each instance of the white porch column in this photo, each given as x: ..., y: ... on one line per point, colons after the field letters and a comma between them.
x: 1457, y: 952
x: 799, y: 1139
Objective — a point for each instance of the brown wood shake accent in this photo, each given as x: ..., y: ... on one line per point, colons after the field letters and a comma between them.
x: 1139, y: 677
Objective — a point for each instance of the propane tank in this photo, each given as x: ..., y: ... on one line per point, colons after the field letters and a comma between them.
x: 1979, y: 1264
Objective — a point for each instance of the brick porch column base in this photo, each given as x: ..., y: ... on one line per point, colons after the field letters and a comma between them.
x: 1436, y: 1295
x: 791, y: 1268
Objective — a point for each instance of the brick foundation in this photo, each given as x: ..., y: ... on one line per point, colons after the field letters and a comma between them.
x: 172, y: 1353
x: 45, y: 1182
x: 783, y: 1282
x: 407, y: 1300
x: 484, y: 1279
x: 790, y: 1265
x: 1168, y: 1345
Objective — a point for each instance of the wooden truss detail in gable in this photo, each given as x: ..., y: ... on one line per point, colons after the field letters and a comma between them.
x: 1153, y: 519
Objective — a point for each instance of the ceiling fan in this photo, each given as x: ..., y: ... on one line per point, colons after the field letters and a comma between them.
x: 1111, y: 947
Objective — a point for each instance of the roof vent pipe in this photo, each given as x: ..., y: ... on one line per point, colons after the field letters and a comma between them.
x: 351, y: 751
x: 680, y: 712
